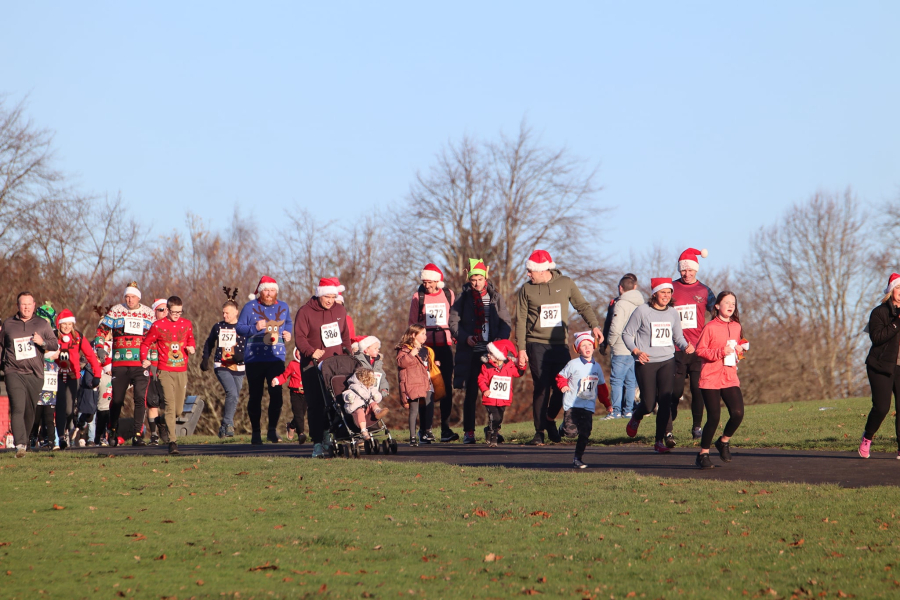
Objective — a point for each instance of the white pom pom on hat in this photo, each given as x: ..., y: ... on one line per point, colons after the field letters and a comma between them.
x: 431, y: 272
x: 328, y: 286
x: 265, y: 283
x: 688, y: 259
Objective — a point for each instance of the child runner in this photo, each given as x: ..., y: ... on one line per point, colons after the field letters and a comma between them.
x: 293, y: 378
x: 720, y: 346
x: 362, y: 398
x: 581, y: 382
x: 883, y: 364
x: 103, y: 349
x: 495, y: 382
x: 413, y: 360
x: 651, y: 334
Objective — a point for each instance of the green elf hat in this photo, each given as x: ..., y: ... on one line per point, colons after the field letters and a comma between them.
x: 47, y: 312
x: 477, y: 267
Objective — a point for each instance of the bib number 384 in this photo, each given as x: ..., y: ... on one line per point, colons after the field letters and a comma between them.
x: 331, y: 335
x: 551, y: 315
x: 661, y: 334
x: 500, y: 387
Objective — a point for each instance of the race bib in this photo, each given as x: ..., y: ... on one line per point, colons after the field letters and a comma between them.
x: 551, y: 315
x: 730, y: 360
x: 435, y: 315
x: 378, y: 377
x: 587, y: 387
x: 331, y: 335
x: 660, y: 334
x: 688, y: 315
x: 24, y: 348
x: 500, y: 387
x: 51, y: 381
x: 134, y: 326
x: 484, y: 331
x: 227, y: 338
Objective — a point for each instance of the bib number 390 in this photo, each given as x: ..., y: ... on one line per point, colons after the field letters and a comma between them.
x: 500, y: 387
x: 551, y: 315
x: 661, y: 334
x: 331, y: 335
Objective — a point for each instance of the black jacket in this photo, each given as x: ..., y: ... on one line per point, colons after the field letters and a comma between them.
x: 884, y: 325
x: 462, y: 327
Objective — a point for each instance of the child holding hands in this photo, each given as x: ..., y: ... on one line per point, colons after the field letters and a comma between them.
x: 495, y: 382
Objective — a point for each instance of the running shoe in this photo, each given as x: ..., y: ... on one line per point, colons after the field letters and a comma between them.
x: 229, y: 431
x: 660, y: 447
x: 318, y: 451
x: 724, y: 449
x: 500, y: 438
x: 423, y: 438
x: 697, y: 433
x: 538, y: 439
x: 631, y: 428
x: 491, y: 439
x: 256, y: 438
x: 291, y: 429
x: 469, y: 437
x: 154, y: 439
x: 628, y: 415
x: 56, y: 446
x: 553, y: 432
x: 448, y: 435
x: 138, y: 440
x: 609, y: 417
x: 273, y: 436
x: 173, y: 449
x: 578, y: 464
x: 301, y: 437
x: 427, y: 435
x: 104, y: 443
x: 413, y: 442
x: 222, y: 432
x: 703, y: 461
x: 20, y: 450
x: 670, y: 441
x: 864, y: 446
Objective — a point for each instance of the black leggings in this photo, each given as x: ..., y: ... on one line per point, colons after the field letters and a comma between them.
x: 427, y: 415
x: 495, y: 417
x: 687, y: 365
x: 713, y: 399
x: 102, y: 425
x: 258, y: 375
x: 298, y: 406
x: 65, y: 405
x: 882, y: 387
x: 655, y: 381
x: 43, y: 423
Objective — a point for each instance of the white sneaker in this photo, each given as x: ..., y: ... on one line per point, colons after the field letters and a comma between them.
x: 609, y: 417
x: 627, y: 415
x: 20, y: 450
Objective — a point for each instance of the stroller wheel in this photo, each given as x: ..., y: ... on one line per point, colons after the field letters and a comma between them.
x: 385, y: 449
x: 340, y: 450
x: 368, y: 446
x: 348, y: 450
x: 355, y: 449
x: 376, y: 447
x: 393, y: 447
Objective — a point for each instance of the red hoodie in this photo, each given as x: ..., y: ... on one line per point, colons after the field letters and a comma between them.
x: 711, y: 348
x: 488, y: 373
x: 313, y: 322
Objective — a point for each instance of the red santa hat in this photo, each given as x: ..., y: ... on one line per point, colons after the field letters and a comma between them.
x: 368, y: 341
x: 583, y: 336
x: 159, y: 302
x: 660, y: 283
x: 502, y: 349
x: 431, y: 273
x: 65, y: 316
x: 265, y: 283
x: 893, y: 282
x: 688, y: 259
x: 328, y: 286
x: 540, y: 261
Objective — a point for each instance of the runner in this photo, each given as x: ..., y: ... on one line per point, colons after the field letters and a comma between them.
x: 883, y: 364
x: 542, y: 316
x: 154, y: 391
x: 495, y: 382
x: 173, y: 338
x: 720, y: 347
x: 128, y: 322
x: 692, y: 300
x: 72, y: 346
x: 26, y: 338
x: 430, y: 307
x: 293, y: 377
x: 478, y: 316
x: 321, y: 331
x: 266, y: 324
x: 651, y: 335
x: 581, y: 381
x: 228, y: 362
x: 621, y: 369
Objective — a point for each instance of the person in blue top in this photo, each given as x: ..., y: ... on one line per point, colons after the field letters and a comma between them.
x: 580, y: 381
x: 266, y: 324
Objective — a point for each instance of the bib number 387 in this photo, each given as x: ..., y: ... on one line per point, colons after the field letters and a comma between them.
x: 331, y: 335
x: 551, y: 315
x: 500, y: 387
x: 661, y: 334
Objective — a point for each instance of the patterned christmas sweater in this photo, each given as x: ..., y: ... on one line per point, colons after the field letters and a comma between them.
x: 170, y: 338
x: 128, y: 327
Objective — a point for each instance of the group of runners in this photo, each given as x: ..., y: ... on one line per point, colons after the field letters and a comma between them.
x: 65, y: 385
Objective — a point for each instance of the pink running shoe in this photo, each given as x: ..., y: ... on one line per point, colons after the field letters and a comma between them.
x: 864, y: 446
x: 632, y: 427
x: 661, y: 448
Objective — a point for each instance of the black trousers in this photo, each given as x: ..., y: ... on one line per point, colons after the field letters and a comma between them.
x: 444, y: 355
x: 100, y: 430
x: 495, y: 417
x: 298, y: 407
x: 687, y: 366
x: 882, y: 387
x: 24, y: 391
x: 472, y: 391
x: 315, y: 403
x: 546, y: 361
x: 580, y: 422
x: 122, y: 377
x: 713, y: 399
x: 66, y: 394
x: 259, y: 374
x: 43, y: 423
x: 655, y: 382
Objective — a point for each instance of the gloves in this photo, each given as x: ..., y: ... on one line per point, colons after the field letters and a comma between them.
x: 204, y: 364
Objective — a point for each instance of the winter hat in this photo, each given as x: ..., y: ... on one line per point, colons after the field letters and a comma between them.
x: 477, y: 267
x: 47, y: 312
x: 369, y: 340
x: 893, y: 282
x: 540, y: 261
x: 354, y: 343
x: 502, y: 349
x: 688, y: 259
x: 159, y: 302
x: 65, y: 316
x: 133, y: 290
x: 432, y: 273
x: 583, y: 336
x: 660, y: 283
x: 265, y: 283
x: 328, y: 286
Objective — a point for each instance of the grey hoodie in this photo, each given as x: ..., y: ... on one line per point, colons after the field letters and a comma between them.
x: 646, y: 324
x: 624, y: 306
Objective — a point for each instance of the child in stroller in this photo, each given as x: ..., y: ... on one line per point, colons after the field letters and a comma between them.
x: 362, y: 397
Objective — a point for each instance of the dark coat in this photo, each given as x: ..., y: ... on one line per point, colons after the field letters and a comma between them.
x: 884, y: 325
x: 462, y: 326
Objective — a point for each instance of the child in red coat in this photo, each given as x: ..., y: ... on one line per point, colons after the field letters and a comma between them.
x: 495, y: 382
x: 291, y: 377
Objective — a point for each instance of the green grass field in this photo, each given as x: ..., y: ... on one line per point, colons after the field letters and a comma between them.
x: 82, y: 526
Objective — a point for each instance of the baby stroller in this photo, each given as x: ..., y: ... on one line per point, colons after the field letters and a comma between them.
x: 345, y: 439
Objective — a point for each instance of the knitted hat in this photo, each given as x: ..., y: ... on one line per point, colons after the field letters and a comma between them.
x: 367, y: 341
x: 432, y: 273
x: 688, y: 259
x: 893, y: 282
x: 47, y: 312
x: 329, y: 286
x: 583, y: 336
x: 159, y: 302
x: 265, y: 283
x: 477, y: 267
x: 502, y: 349
x: 65, y: 316
x: 540, y: 261
x: 133, y: 290
x: 660, y: 283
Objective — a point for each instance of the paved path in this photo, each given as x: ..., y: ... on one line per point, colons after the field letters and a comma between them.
x: 806, y: 466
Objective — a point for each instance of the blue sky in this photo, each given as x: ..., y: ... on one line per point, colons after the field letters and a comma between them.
x: 706, y: 119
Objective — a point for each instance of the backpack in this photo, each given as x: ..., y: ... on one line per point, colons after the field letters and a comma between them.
x: 421, y: 291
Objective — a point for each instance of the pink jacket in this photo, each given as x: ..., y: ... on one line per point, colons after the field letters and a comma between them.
x: 711, y: 348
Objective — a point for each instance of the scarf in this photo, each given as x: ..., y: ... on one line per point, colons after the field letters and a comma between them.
x: 480, y: 315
